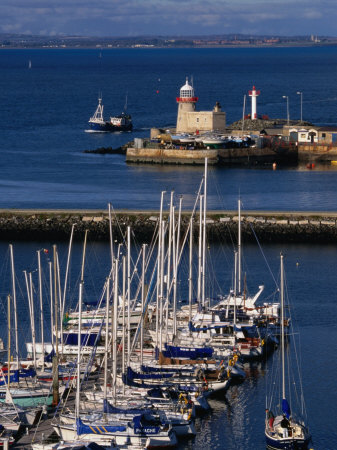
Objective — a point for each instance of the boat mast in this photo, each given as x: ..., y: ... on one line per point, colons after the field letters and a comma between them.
x: 80, y: 300
x: 235, y: 293
x: 29, y: 287
x: 143, y: 306
x: 158, y: 266
x: 14, y: 304
x: 9, y: 343
x: 239, y: 247
x: 56, y: 304
x: 111, y: 238
x: 128, y: 291
x: 169, y: 257
x: 41, y: 304
x: 123, y: 318
x: 51, y: 303
x: 56, y: 396
x: 107, y: 287
x: 204, y: 237
x: 175, y: 270
x: 282, y: 330
x: 161, y: 289
x: 78, y: 382
x: 200, y: 250
x: 114, y: 335
x: 66, y: 281
x: 190, y: 278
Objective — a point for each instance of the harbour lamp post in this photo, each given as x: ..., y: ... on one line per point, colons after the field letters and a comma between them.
x: 301, y: 94
x: 286, y: 96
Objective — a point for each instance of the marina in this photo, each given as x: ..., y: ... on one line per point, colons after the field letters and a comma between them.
x: 292, y: 211
x: 153, y: 363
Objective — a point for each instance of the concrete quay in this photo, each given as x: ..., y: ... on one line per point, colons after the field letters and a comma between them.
x: 268, y: 226
x: 221, y: 156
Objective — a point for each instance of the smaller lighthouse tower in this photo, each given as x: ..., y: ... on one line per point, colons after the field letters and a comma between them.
x: 186, y: 103
x: 254, y: 94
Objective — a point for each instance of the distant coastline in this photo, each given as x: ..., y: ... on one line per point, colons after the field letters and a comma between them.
x: 19, y: 41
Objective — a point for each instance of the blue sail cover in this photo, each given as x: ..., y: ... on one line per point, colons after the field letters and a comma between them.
x: 13, y: 378
x: 96, y: 429
x: 286, y: 408
x: 130, y: 382
x: 87, y: 339
x: 131, y: 374
x: 26, y: 373
x: 49, y: 358
x: 150, y: 369
x: 109, y: 409
x: 187, y: 352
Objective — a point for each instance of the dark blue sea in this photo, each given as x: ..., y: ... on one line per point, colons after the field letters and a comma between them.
x: 44, y: 113
x: 45, y: 110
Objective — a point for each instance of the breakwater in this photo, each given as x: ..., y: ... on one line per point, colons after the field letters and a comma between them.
x: 267, y: 226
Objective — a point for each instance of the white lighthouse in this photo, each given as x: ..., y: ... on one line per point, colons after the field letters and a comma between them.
x: 186, y: 104
x: 191, y: 121
x: 254, y: 94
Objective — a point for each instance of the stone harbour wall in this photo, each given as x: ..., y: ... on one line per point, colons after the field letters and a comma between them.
x: 221, y: 225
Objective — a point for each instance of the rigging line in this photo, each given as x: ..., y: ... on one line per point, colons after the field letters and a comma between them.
x: 264, y: 256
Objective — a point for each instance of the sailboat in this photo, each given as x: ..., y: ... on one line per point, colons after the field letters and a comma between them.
x: 285, y: 431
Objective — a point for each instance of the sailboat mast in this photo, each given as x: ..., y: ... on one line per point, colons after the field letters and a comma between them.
x: 128, y: 292
x: 78, y: 382
x: 200, y: 250
x: 169, y: 257
x: 190, y: 278
x: 56, y: 396
x: 114, y: 336
x: 41, y: 303
x: 106, y: 339
x: 235, y: 293
x: 111, y: 237
x: 158, y: 266
x: 66, y: 281
x: 123, y: 317
x: 143, y: 305
x: 239, y: 247
x: 14, y: 304
x: 51, y: 302
x: 282, y: 330
x: 9, y: 342
x: 204, y: 237
x: 32, y: 318
x: 161, y: 289
x: 175, y: 270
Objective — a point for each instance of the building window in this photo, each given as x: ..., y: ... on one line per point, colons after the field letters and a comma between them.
x: 323, y: 135
x: 197, y: 119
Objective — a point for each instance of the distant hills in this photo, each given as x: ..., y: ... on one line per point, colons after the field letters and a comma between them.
x: 229, y: 40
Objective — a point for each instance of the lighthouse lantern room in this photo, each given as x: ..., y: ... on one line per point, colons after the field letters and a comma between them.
x: 187, y: 94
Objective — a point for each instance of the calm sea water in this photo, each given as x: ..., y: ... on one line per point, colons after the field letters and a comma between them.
x: 45, y: 109
x: 44, y: 112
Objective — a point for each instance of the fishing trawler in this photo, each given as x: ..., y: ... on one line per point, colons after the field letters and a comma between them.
x: 122, y: 122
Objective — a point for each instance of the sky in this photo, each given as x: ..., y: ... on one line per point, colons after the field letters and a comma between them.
x: 168, y: 17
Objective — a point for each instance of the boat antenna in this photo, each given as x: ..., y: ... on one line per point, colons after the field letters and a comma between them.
x: 192, y: 81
